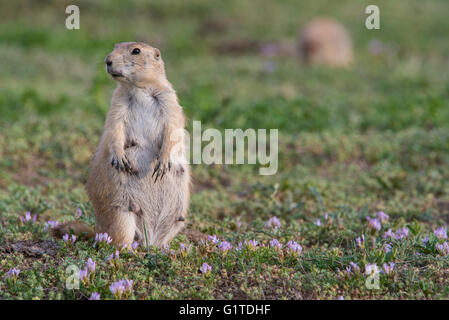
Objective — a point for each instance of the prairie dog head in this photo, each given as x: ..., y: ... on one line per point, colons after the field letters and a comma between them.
x: 136, y: 63
x: 325, y: 41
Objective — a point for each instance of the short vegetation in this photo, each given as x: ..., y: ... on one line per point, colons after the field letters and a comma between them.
x: 357, y: 210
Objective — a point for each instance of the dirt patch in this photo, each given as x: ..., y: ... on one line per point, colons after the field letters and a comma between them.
x: 32, y: 249
x: 237, y: 46
x: 209, y: 183
x: 213, y: 26
x: 251, y: 46
x: 28, y: 174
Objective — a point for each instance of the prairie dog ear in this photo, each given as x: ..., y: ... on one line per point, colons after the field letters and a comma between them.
x: 157, y: 54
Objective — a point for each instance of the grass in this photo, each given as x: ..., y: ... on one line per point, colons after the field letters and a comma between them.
x: 352, y: 142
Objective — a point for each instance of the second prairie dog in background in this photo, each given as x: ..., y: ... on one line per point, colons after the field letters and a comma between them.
x: 325, y: 41
x: 138, y: 179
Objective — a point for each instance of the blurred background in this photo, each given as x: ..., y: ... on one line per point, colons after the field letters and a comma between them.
x: 371, y: 134
x: 233, y: 62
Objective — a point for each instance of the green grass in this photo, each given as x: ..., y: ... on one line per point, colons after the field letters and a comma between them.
x: 352, y: 142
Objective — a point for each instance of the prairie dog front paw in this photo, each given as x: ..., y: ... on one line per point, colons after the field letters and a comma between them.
x: 122, y: 164
x: 163, y: 165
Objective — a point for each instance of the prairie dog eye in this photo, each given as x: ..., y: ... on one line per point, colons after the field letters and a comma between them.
x: 157, y: 54
x: 135, y: 51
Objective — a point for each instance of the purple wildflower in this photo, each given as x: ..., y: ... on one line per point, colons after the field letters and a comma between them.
x: 294, y: 247
x: 383, y: 217
x: 79, y: 212
x: 355, y: 267
x: 27, y: 217
x: 113, y: 257
x: 103, y: 238
x: 121, y: 287
x: 184, y: 249
x: 388, y: 268
x: 117, y: 288
x: 401, y: 233
x: 273, y: 222
x: 69, y: 239
x: 443, y: 249
x: 425, y: 240
x: 50, y: 224
x: 441, y: 233
x: 238, y: 224
x: 213, y: 239
x: 128, y: 284
x: 135, y: 245
x: 205, y: 268
x: 374, y: 224
x: 275, y: 244
x: 167, y: 250
x: 388, y: 234
x: 84, y: 275
x: 94, y: 296
x: 371, y: 269
x: 251, y: 244
x: 360, y: 241
x: 318, y: 222
x: 91, y: 265
x: 239, y: 247
x: 387, y: 247
x: 13, y: 273
x: 225, y: 246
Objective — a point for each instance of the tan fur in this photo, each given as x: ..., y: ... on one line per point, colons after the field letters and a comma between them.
x: 324, y: 41
x: 139, y: 176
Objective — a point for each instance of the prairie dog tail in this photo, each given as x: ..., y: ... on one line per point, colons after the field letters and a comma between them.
x: 78, y: 228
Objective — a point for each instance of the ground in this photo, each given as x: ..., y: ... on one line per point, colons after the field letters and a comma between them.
x: 352, y: 142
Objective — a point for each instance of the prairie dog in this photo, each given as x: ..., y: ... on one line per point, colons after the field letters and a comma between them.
x: 138, y: 179
x: 325, y: 41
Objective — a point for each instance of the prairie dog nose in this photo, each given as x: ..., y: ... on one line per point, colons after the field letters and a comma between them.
x: 108, y: 60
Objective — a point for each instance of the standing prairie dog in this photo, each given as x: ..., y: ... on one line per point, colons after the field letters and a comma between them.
x: 139, y: 179
x: 325, y: 41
